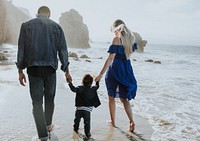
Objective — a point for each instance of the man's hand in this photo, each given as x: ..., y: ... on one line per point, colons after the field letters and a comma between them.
x: 22, y: 78
x: 68, y: 77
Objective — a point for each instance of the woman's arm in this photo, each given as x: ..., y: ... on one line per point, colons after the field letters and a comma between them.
x: 116, y: 41
x: 105, y: 67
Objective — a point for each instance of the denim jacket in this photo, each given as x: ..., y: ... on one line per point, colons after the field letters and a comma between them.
x: 41, y: 42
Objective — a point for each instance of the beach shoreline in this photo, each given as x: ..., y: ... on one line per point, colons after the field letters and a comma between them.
x: 17, y: 121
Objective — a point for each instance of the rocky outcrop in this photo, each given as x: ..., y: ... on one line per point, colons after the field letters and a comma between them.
x: 3, y: 57
x: 84, y: 56
x: 76, y: 32
x: 73, y: 55
x: 154, y: 61
x: 141, y: 43
x: 14, y: 18
x: 2, y: 21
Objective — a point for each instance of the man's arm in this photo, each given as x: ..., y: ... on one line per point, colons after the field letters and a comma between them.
x: 21, y: 55
x: 63, y: 54
x: 62, y: 50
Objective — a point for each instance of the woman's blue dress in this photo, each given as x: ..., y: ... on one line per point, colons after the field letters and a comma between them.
x: 120, y: 79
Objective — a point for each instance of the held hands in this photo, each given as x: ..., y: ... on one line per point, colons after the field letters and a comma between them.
x: 68, y: 77
x: 22, y: 78
x: 98, y: 78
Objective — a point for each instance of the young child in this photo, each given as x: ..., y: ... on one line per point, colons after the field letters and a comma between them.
x: 86, y: 98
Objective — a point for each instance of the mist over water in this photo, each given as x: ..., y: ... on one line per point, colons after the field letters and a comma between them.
x: 156, y: 21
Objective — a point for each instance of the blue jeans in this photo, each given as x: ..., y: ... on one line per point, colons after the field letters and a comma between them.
x: 42, y: 87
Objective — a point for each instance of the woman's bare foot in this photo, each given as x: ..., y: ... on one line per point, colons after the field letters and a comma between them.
x: 132, y: 127
x: 112, y: 123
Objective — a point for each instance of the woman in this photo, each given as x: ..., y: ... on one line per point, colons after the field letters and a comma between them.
x: 120, y: 80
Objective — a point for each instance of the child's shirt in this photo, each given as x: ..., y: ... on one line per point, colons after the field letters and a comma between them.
x: 86, y: 97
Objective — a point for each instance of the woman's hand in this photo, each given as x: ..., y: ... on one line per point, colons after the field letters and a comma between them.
x: 98, y: 78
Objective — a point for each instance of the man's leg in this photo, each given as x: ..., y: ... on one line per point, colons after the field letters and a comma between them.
x: 49, y: 92
x: 36, y: 85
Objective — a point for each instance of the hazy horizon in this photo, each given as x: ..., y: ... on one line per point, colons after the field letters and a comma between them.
x: 157, y: 21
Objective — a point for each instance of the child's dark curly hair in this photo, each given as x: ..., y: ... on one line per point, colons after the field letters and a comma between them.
x: 87, y: 80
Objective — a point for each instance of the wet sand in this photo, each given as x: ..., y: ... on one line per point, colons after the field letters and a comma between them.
x: 17, y: 122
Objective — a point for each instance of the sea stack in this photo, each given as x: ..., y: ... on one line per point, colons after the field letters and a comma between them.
x: 76, y: 32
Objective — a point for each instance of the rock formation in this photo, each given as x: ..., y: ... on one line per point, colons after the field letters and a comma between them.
x: 84, y: 56
x: 14, y: 18
x: 73, y: 55
x: 2, y: 21
x: 3, y: 57
x: 141, y: 43
x: 76, y: 32
x: 151, y: 60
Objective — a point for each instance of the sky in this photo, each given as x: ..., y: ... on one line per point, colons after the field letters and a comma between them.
x: 157, y: 21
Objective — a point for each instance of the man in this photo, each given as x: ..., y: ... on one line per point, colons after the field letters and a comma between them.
x: 40, y: 41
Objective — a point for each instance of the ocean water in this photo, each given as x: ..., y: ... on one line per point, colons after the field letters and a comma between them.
x: 168, y: 93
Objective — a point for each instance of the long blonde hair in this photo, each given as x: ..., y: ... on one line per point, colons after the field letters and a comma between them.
x: 126, y: 36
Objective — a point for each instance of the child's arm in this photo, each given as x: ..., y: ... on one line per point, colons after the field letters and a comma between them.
x: 96, y: 100
x: 97, y: 85
x: 73, y: 89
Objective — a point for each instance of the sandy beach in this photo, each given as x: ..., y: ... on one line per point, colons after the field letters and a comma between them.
x: 17, y: 122
x: 166, y: 107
